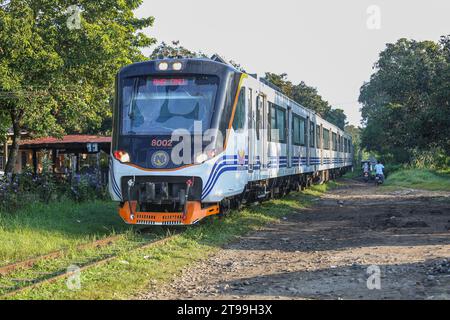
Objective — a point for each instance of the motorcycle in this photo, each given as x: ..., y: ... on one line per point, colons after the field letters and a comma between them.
x: 378, y: 179
x: 366, y: 176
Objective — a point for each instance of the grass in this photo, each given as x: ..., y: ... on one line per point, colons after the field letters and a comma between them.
x: 419, y: 179
x: 135, y: 269
x: 40, y: 228
x: 353, y: 174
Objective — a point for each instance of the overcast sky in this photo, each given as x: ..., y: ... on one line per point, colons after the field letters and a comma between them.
x: 326, y: 43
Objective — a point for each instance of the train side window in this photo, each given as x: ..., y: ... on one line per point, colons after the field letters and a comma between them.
x: 326, y: 139
x: 345, y: 145
x: 334, y: 141
x: 277, y: 122
x: 298, y: 130
x: 239, y: 114
x: 312, y: 134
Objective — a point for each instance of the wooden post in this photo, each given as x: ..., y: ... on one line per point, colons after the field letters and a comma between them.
x: 35, y: 164
x: 54, y: 160
x: 6, y: 151
x: 99, y: 173
x: 77, y: 163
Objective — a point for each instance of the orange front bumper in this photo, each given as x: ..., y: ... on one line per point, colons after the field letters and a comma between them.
x: 194, y: 213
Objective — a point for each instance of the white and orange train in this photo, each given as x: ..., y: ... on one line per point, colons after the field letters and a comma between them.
x: 196, y: 137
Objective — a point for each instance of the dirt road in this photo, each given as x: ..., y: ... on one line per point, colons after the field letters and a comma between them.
x: 324, y: 252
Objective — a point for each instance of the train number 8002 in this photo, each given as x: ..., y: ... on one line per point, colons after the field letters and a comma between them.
x: 167, y: 143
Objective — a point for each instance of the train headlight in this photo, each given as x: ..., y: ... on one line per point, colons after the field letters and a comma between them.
x: 202, y: 157
x: 177, y: 66
x: 122, y: 156
x: 163, y: 66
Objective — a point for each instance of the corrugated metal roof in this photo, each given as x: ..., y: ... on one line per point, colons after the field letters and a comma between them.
x: 67, y: 140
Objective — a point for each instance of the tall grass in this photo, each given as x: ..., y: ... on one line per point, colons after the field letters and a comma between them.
x: 41, y: 228
x: 419, y: 179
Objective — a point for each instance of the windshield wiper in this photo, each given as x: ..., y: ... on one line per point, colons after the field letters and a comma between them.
x: 133, y: 98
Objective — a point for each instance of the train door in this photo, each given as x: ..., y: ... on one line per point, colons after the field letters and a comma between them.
x: 262, y: 131
x: 307, y: 141
x: 251, y: 132
x: 312, y: 142
x: 321, y: 144
x: 289, y: 137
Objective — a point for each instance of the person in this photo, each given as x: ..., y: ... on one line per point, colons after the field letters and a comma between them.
x: 366, y: 174
x: 365, y: 167
x: 379, y: 170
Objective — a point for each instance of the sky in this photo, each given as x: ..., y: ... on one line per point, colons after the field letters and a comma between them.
x: 331, y: 45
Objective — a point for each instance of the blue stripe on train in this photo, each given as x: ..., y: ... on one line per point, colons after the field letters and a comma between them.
x: 225, y: 165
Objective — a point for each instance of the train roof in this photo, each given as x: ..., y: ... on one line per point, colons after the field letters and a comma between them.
x: 188, y: 65
x: 214, y: 65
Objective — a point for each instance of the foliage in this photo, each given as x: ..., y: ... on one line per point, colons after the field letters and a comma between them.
x: 46, y: 181
x: 175, y: 50
x: 358, y: 153
x: 336, y: 117
x: 86, y: 187
x: 56, y: 79
x: 27, y: 188
x: 406, y: 108
x: 418, y: 179
x: 434, y: 158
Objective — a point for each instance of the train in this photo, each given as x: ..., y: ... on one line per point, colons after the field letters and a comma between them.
x: 196, y: 137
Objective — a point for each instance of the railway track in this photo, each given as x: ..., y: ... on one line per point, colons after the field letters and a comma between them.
x: 64, y: 274
x: 4, y: 270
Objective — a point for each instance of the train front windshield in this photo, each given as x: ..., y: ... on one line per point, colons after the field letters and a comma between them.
x: 159, y: 105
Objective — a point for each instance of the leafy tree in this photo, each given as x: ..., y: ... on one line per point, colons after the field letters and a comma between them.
x: 57, y: 66
x: 358, y: 152
x: 175, y: 50
x: 310, y: 98
x: 405, y: 105
x: 337, y: 117
x: 281, y: 81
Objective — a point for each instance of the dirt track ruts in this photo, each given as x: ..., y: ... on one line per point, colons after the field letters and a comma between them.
x: 323, y: 252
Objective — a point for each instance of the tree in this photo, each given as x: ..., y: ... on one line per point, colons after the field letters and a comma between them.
x: 175, y: 50
x: 358, y: 152
x: 405, y: 105
x: 337, y: 117
x: 281, y: 81
x: 57, y: 66
x: 310, y: 98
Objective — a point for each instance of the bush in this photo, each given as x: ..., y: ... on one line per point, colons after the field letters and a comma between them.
x: 87, y: 187
x: 434, y: 158
x: 390, y: 168
x: 27, y: 188
x: 9, y: 194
